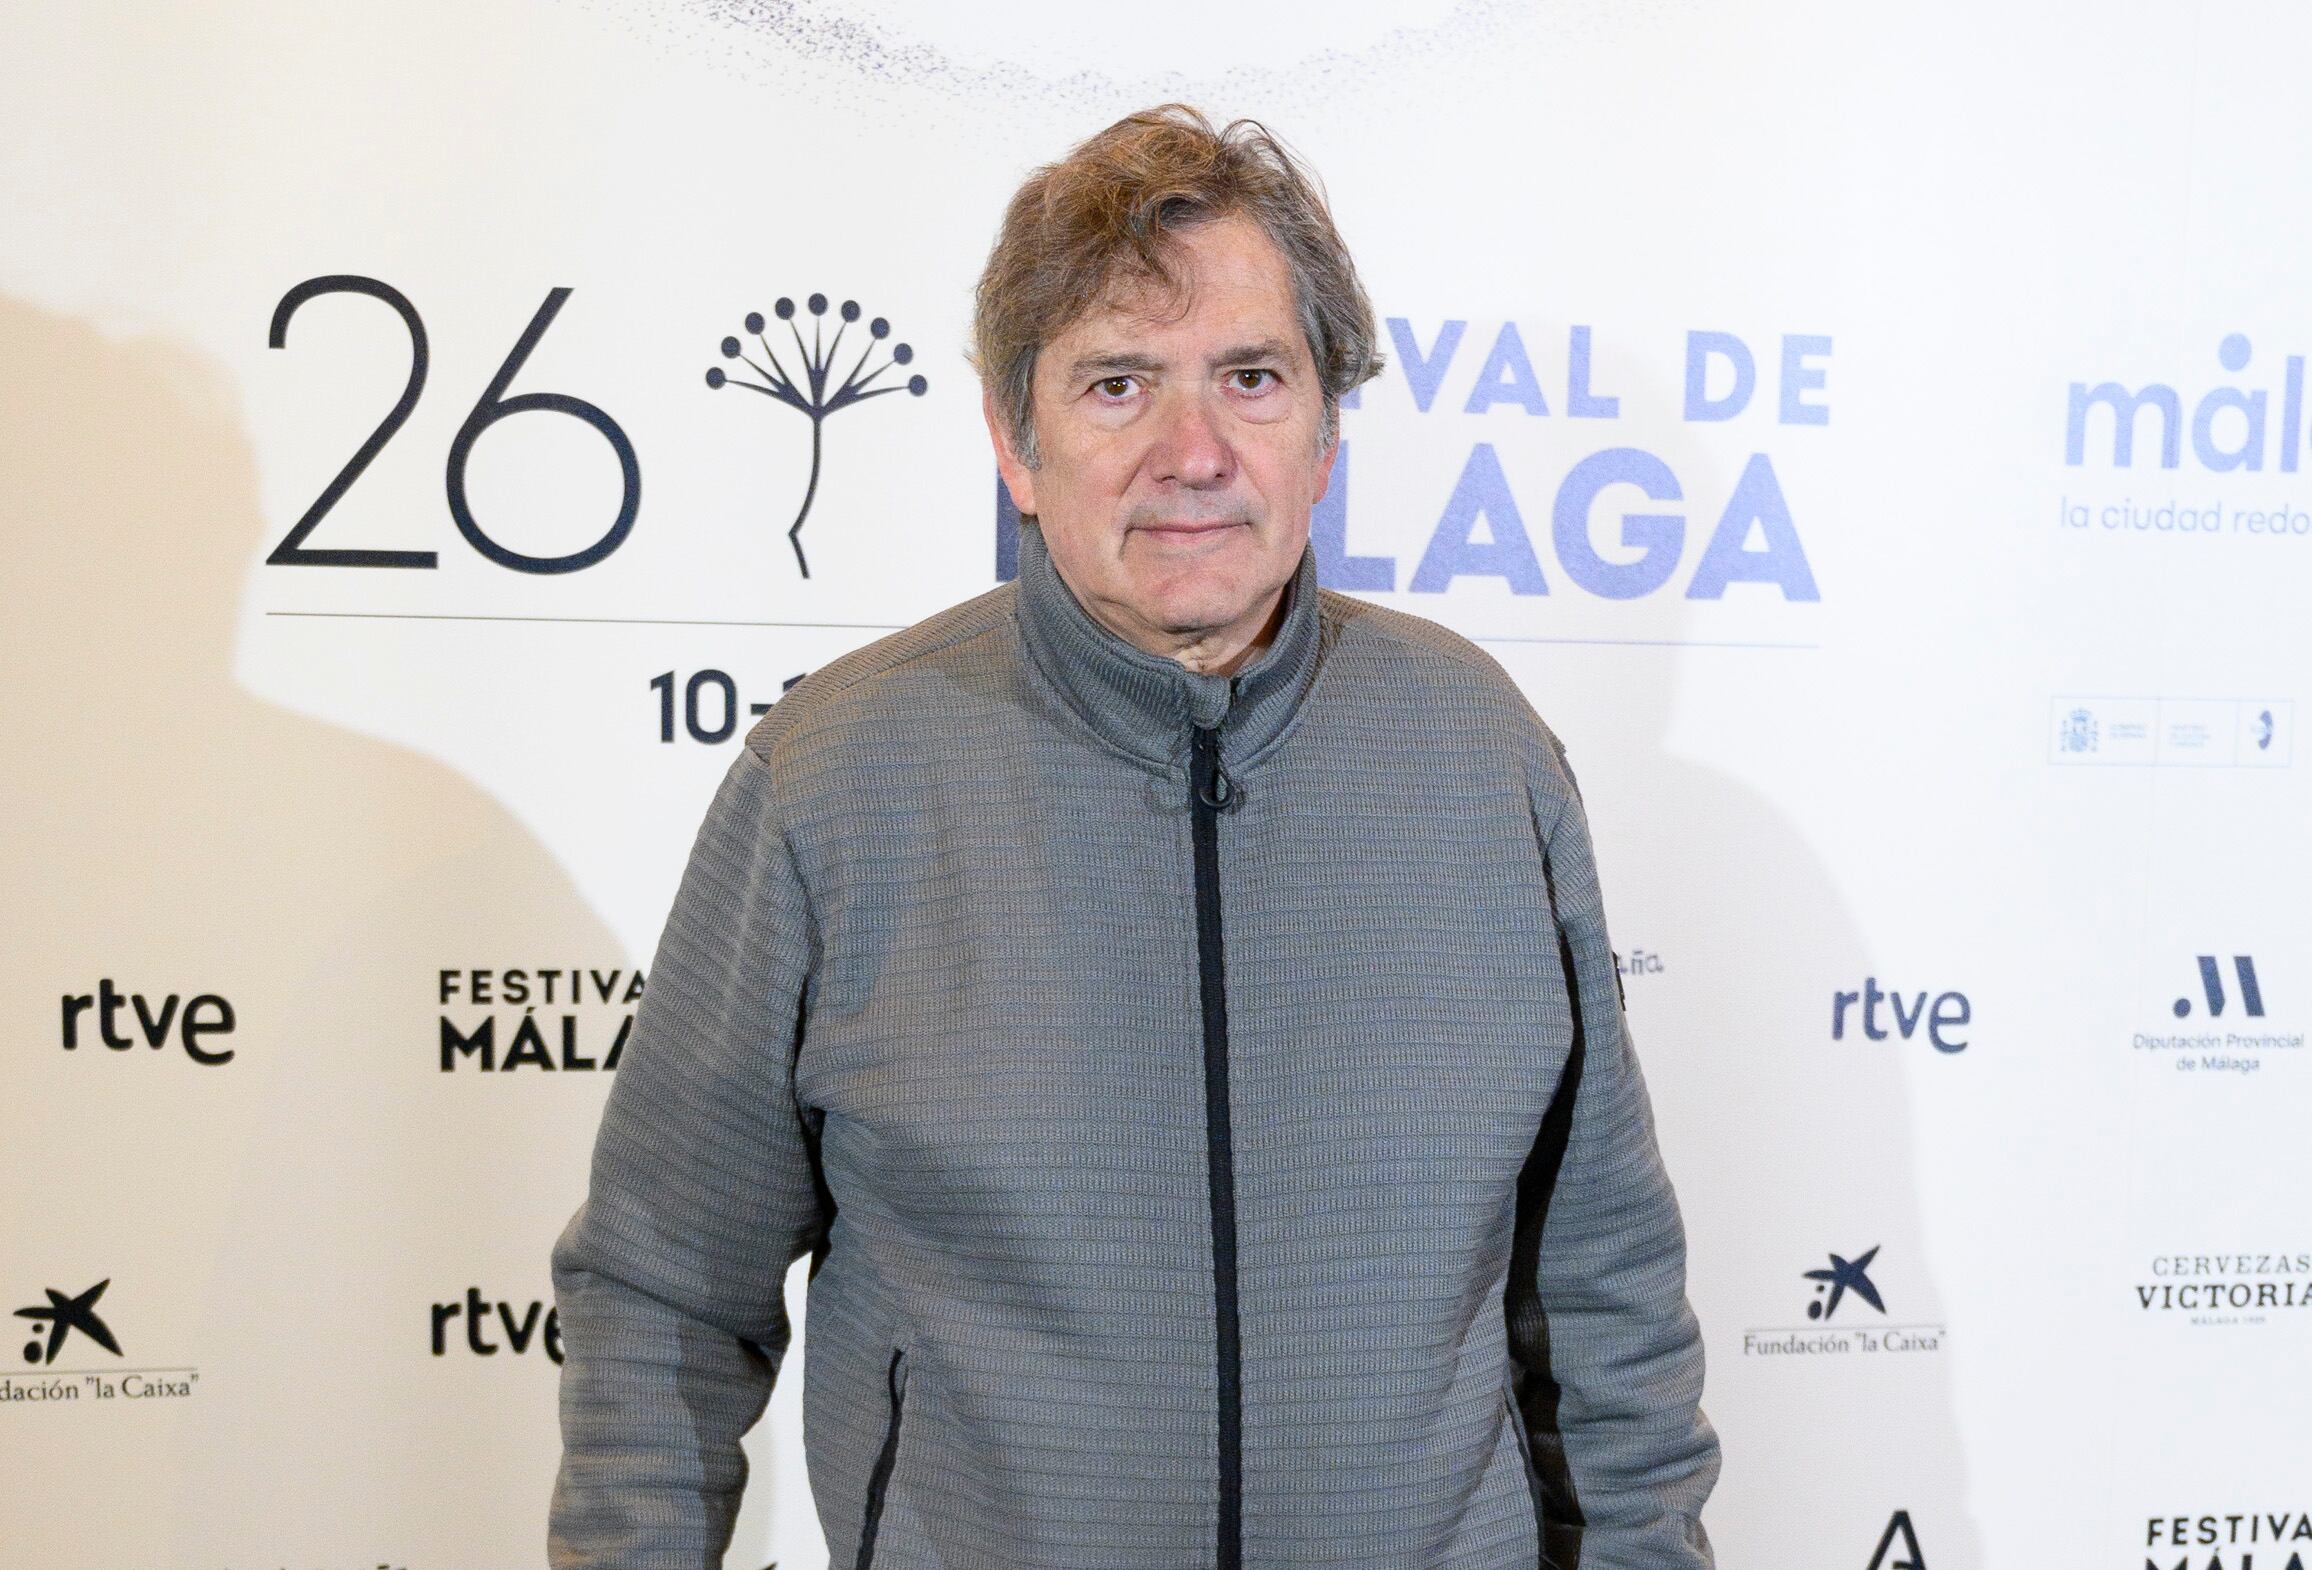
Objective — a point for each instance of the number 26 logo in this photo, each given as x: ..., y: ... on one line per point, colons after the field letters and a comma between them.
x: 492, y: 407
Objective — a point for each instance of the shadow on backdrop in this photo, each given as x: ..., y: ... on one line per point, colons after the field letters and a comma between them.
x: 284, y: 1221
x: 1786, y: 1147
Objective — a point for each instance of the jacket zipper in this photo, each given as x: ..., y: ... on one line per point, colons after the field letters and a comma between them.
x: 1211, y: 792
x: 880, y: 1479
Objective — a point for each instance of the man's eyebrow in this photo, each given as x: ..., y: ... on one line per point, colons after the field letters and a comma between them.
x: 1244, y: 353
x: 1116, y: 362
x: 1111, y: 363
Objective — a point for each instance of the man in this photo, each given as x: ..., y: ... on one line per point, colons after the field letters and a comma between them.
x: 1170, y: 1002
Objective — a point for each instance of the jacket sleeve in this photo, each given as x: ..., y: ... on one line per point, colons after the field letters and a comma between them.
x: 669, y: 1280
x: 1607, y: 1352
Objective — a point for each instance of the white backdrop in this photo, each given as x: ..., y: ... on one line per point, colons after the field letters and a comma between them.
x: 1937, y: 692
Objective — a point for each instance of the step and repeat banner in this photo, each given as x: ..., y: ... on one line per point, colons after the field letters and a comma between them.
x: 1874, y: 437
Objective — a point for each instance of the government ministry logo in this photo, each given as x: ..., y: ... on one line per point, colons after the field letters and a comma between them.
x: 2076, y: 732
x: 814, y: 393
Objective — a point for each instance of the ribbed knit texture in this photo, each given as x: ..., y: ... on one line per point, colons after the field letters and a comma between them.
x: 927, y: 1007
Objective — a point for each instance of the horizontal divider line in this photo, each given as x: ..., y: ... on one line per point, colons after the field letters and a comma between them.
x: 874, y: 626
x: 77, y: 1373
x: 622, y: 621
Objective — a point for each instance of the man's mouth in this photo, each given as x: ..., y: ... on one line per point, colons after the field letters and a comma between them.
x: 1188, y: 529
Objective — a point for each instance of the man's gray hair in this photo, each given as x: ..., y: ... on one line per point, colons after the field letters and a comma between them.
x: 1103, y: 217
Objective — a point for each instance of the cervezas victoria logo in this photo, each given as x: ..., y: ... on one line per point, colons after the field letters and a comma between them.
x: 2248, y: 1287
x: 814, y: 393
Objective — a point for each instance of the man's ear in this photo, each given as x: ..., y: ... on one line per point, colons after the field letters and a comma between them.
x: 1325, y: 480
x: 1018, y: 478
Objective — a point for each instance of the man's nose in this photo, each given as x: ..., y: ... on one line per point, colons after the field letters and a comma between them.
x: 1192, y: 445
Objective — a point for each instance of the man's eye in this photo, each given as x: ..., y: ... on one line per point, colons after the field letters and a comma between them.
x: 1115, y: 386
x: 1250, y: 379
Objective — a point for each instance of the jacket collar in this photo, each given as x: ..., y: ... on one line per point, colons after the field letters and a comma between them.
x: 1145, y: 704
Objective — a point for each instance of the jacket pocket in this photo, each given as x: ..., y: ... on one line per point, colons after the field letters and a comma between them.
x: 880, y: 1479
x: 1528, y: 1476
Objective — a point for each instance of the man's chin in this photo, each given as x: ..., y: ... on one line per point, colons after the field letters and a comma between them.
x: 1185, y: 545
x: 1199, y: 615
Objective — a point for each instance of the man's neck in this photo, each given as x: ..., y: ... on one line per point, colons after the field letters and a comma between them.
x: 1225, y: 653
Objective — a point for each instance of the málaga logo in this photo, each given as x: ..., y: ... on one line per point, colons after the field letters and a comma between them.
x: 809, y: 394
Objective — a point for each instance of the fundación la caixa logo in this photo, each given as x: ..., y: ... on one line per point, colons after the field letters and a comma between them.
x: 1844, y: 1282
x: 1481, y: 530
x: 67, y: 1322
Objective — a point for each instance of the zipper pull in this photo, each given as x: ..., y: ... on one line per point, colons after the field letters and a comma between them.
x: 1206, y: 778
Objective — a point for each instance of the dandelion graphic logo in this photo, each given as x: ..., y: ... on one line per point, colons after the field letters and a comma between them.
x: 810, y: 395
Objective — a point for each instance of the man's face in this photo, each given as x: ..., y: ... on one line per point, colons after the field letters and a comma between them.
x: 1180, y: 454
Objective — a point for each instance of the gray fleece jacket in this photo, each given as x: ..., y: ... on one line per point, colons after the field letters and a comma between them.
x: 1207, y: 1105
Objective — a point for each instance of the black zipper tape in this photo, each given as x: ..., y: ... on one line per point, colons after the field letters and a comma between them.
x: 1211, y: 793
x: 880, y: 1478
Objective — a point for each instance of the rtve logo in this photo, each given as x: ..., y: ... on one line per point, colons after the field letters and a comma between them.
x: 520, y: 1333
x: 1950, y: 1011
x: 206, y: 1015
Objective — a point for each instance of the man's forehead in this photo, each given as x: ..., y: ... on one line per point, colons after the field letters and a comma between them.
x: 1135, y: 335
x: 1129, y: 354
